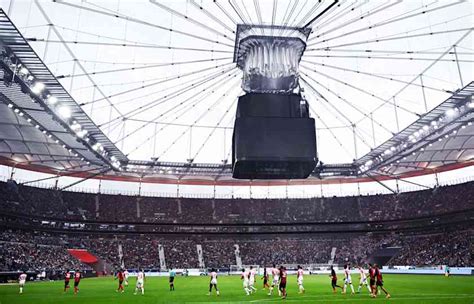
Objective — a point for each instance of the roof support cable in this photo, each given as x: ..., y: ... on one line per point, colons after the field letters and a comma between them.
x: 391, y: 38
x: 143, y: 22
x: 161, y: 115
x: 387, y: 58
x: 349, y: 104
x: 214, y: 129
x: 327, y: 9
x: 147, y: 66
x: 380, y: 8
x: 85, y: 178
x: 171, y: 96
x: 136, y: 99
x: 212, y: 16
x: 218, y: 100
x: 71, y: 53
x: 374, y: 75
x: 330, y: 130
x: 180, y: 76
x: 191, y: 20
x: 339, y: 15
x: 322, y: 97
x: 390, y: 21
x: 385, y: 101
x: 380, y: 183
x: 220, y: 83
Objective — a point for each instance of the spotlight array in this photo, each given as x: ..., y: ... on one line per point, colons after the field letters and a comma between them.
x: 439, y: 123
x: 38, y: 91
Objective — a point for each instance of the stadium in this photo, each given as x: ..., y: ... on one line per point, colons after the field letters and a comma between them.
x: 196, y: 151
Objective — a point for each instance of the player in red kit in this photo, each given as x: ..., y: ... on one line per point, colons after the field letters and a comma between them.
x: 334, y: 280
x: 282, y: 286
x: 372, y: 280
x: 121, y: 277
x: 77, y: 280
x: 379, y: 282
x: 67, y: 277
x: 265, y: 278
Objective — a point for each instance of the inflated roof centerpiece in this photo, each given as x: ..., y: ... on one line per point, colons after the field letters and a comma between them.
x: 269, y: 56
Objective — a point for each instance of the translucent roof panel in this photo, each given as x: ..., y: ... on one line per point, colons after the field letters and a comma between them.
x: 159, y: 80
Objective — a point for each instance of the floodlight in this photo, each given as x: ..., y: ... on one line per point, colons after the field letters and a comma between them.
x: 64, y: 112
x: 24, y: 71
x: 52, y: 100
x: 38, y: 87
x: 450, y: 112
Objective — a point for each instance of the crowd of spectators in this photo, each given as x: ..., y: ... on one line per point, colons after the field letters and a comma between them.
x: 21, y: 250
x: 35, y: 252
x: 35, y: 249
x: 120, y: 208
x: 455, y: 248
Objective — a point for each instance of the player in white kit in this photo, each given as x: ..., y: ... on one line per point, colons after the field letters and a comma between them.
x: 300, y: 279
x: 140, y: 282
x: 22, y: 281
x: 347, y: 279
x: 252, y: 274
x: 363, y: 280
x: 276, y: 280
x: 126, y: 275
x: 213, y: 282
x: 245, y: 278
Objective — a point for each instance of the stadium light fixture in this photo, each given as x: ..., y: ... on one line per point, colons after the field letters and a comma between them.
x: 450, y: 112
x: 81, y: 133
x: 52, y: 100
x: 24, y: 71
x: 75, y: 127
x: 38, y: 87
x: 64, y: 112
x: 97, y: 147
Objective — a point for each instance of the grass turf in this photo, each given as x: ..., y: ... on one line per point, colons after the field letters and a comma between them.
x: 403, y: 288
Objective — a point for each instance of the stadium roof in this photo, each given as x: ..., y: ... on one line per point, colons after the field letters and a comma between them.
x: 158, y: 95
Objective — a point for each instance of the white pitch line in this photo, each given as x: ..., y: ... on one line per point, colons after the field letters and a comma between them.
x: 307, y: 298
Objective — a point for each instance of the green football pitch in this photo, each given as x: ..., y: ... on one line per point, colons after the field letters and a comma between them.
x: 403, y: 288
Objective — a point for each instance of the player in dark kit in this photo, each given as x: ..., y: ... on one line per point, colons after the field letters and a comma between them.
x: 379, y: 282
x: 265, y: 279
x: 77, y: 280
x: 372, y: 280
x: 282, y: 286
x: 67, y: 277
x: 334, y: 280
x: 121, y: 277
